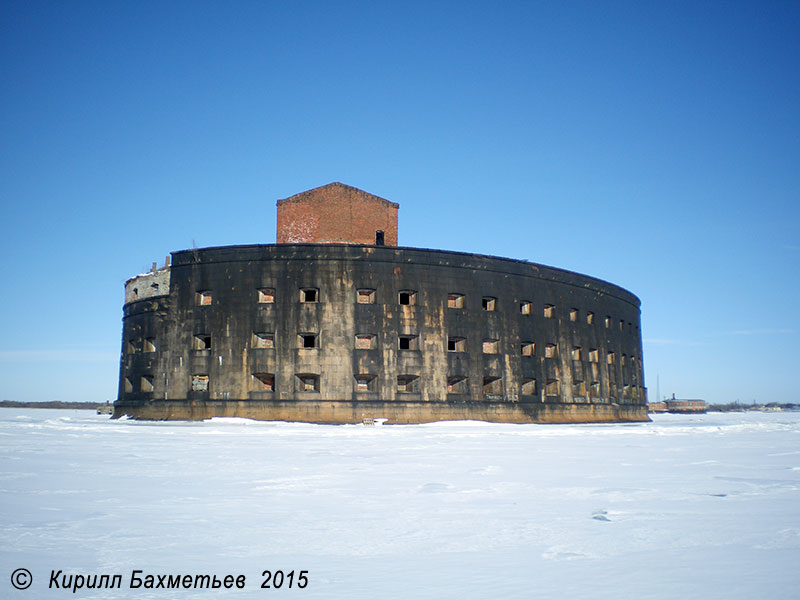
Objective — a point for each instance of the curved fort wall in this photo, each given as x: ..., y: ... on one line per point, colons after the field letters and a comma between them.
x: 337, y: 333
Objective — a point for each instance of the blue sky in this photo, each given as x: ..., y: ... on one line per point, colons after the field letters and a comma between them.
x: 652, y: 144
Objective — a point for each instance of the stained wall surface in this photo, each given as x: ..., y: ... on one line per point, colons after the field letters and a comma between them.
x: 338, y: 333
x: 336, y: 214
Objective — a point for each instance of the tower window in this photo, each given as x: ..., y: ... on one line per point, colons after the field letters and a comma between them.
x: 457, y: 384
x: 309, y: 295
x: 594, y: 355
x: 199, y: 383
x: 203, y: 298
x: 265, y: 381
x: 528, y: 387
x: 265, y: 295
x: 488, y: 303
x: 528, y: 348
x: 407, y: 383
x: 407, y: 298
x: 456, y: 344
x: 379, y: 238
x: 365, y: 341
x: 611, y: 358
x: 550, y: 351
x: 525, y: 307
x: 552, y: 388
x: 491, y: 346
x: 595, y: 389
x: 408, y: 342
x: 492, y: 386
x: 307, y: 382
x: 576, y: 353
x: 146, y: 384
x: 590, y: 318
x: 128, y: 385
x: 202, y: 341
x: 365, y: 296
x: 578, y: 388
x: 308, y: 340
x: 549, y: 311
x: 365, y: 382
x: 573, y: 315
x: 150, y: 344
x: 455, y: 300
x: 608, y: 322
x: 263, y: 340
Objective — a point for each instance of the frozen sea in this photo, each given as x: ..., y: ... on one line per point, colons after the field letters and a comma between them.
x: 704, y: 506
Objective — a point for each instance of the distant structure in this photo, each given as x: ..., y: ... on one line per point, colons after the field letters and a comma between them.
x: 674, y: 405
x: 337, y: 324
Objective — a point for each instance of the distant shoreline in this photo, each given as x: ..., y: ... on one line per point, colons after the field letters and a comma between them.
x: 52, y: 404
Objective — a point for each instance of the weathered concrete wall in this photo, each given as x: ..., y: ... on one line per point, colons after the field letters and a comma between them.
x: 562, y: 347
x: 147, y: 285
x: 336, y: 213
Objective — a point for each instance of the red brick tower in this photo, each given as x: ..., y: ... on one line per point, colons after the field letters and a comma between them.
x: 337, y: 214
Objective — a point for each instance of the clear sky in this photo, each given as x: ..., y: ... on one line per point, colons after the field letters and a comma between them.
x: 652, y: 144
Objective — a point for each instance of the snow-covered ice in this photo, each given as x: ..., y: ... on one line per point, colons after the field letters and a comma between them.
x: 703, y: 506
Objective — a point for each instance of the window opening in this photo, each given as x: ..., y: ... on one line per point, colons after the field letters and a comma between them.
x: 573, y: 315
x: 594, y: 355
x: 146, y: 384
x: 455, y: 300
x: 525, y: 307
x: 199, y: 383
x: 204, y: 298
x: 579, y: 388
x: 263, y: 340
x: 488, y: 303
x: 308, y: 340
x: 528, y: 348
x: 408, y: 342
x: 365, y: 341
x: 549, y: 311
x: 490, y: 346
x: 528, y: 387
x: 309, y: 295
x: 590, y: 318
x: 365, y: 296
x: 456, y: 344
x: 611, y: 358
x: 265, y: 381
x: 457, y: 384
x: 202, y: 341
x: 575, y: 354
x: 365, y: 382
x: 492, y: 386
x: 307, y: 382
x: 407, y: 383
x: 608, y: 322
x: 407, y: 298
x: 379, y: 238
x: 596, y: 389
x: 550, y: 351
x: 128, y: 385
x: 552, y: 387
x: 150, y: 344
x: 266, y: 295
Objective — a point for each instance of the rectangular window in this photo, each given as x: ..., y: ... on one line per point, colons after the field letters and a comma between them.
x: 575, y: 354
x: 408, y: 342
x: 493, y: 386
x: 365, y: 296
x: 611, y: 358
x: 457, y: 384
x: 573, y: 315
x: 266, y: 295
x: 365, y: 382
x: 455, y: 300
x: 550, y: 351
x: 549, y: 311
x: 263, y: 340
x: 624, y: 360
x: 131, y: 346
x: 146, y: 384
x: 595, y: 389
x: 456, y: 344
x: 265, y: 382
x: 594, y: 355
x: 202, y: 341
x: 608, y: 322
x: 199, y: 383
x: 590, y: 318
x: 407, y: 383
x: 307, y: 340
x: 527, y: 387
x: 525, y: 307
x: 491, y: 346
x: 203, y: 298
x: 306, y: 382
x: 552, y: 387
x: 149, y: 344
x: 365, y: 341
x: 309, y: 295
x: 621, y: 325
x: 488, y: 303
x: 407, y: 298
x: 528, y: 348
x: 579, y: 388
x: 128, y: 385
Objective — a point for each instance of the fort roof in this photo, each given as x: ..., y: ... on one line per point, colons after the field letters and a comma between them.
x: 334, y: 188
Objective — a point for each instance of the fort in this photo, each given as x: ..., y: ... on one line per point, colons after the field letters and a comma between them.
x: 336, y: 323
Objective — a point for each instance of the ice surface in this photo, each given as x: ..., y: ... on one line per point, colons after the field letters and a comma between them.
x: 701, y: 506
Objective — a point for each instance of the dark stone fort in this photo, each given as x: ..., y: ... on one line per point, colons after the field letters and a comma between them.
x: 337, y: 324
